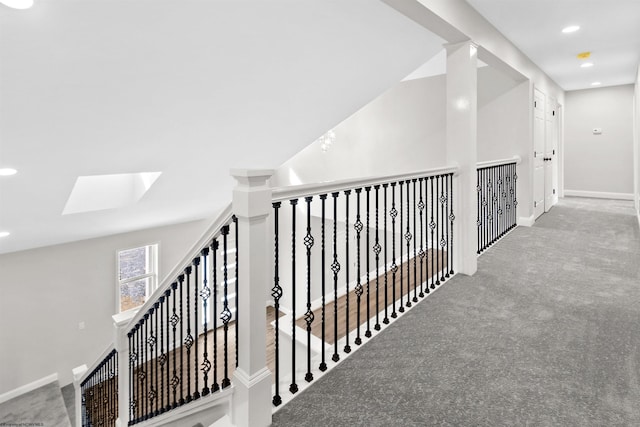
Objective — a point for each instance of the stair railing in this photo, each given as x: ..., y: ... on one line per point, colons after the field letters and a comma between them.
x: 497, y: 200
x: 349, y: 257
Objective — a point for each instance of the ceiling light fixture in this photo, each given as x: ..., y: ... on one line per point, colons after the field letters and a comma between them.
x: 571, y: 29
x: 596, y: 84
x: 7, y: 171
x: 4, y: 234
x: 587, y: 65
x: 17, y: 4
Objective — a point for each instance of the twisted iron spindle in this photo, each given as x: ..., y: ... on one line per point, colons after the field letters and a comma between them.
x: 335, y: 267
x: 205, y: 294
x: 225, y: 316
x: 215, y: 245
x: 394, y: 267
x: 276, y: 293
x: 323, y: 363
x: 368, y: 331
x: 308, y: 316
x: 415, y: 251
x: 293, y: 387
x: 401, y: 191
x: 386, y: 288
x: 358, y: 227
x: 408, y: 237
x: 347, y: 347
x: 376, y: 250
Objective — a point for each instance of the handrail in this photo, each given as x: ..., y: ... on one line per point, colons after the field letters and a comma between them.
x: 293, y: 191
x: 223, y: 217
x: 498, y: 162
x: 90, y: 370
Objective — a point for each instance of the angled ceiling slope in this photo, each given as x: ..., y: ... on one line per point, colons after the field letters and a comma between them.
x: 187, y: 88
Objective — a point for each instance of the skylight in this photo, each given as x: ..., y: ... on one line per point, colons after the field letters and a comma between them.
x: 101, y: 192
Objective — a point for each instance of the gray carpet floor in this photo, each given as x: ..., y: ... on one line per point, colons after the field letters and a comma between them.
x: 42, y: 407
x: 547, y: 333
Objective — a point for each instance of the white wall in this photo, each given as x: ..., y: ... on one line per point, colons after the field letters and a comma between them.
x: 599, y: 163
x: 47, y: 292
x: 400, y: 131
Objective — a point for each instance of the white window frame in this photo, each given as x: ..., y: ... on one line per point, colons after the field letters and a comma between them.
x: 152, y: 266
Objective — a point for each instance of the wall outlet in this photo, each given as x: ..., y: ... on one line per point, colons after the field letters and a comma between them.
x: 597, y: 131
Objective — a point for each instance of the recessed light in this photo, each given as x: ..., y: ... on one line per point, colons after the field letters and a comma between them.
x: 7, y: 171
x: 587, y: 65
x: 17, y: 4
x: 4, y: 234
x: 596, y: 84
x: 571, y: 29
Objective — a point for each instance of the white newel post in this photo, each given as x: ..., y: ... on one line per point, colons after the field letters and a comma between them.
x: 121, y: 344
x: 462, y: 109
x: 77, y: 375
x: 252, y: 378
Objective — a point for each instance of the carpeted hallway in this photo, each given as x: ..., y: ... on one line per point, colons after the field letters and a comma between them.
x: 545, y: 334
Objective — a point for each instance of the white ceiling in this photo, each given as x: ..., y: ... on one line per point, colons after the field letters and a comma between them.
x: 610, y: 29
x: 189, y: 88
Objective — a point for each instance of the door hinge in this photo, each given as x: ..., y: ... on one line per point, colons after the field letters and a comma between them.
x: 535, y: 154
x: 535, y: 104
x: 554, y: 113
x: 535, y: 204
x: 554, y: 152
x: 554, y: 191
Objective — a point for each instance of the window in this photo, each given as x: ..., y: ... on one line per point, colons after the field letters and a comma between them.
x: 137, y: 276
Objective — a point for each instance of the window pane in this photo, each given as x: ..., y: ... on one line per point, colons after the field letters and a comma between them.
x: 133, y: 294
x: 133, y: 262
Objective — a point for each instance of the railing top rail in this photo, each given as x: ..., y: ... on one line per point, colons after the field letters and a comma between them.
x: 96, y: 363
x: 488, y: 164
x: 294, y: 191
x: 216, y: 225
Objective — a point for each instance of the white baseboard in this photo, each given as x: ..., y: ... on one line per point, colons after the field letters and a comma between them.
x: 526, y: 221
x: 598, y: 194
x: 28, y: 387
x: 638, y: 219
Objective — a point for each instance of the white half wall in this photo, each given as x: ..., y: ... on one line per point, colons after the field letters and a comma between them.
x: 602, y: 162
x: 47, y: 292
x: 636, y: 143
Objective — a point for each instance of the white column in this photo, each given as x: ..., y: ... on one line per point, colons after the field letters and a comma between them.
x: 462, y: 111
x: 252, y: 378
x: 77, y: 375
x: 121, y: 344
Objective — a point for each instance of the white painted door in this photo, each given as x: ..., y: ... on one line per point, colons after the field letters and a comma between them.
x: 551, y: 143
x: 539, y: 153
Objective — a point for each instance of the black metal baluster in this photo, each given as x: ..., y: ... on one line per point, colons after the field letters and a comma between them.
x: 386, y: 279
x: 276, y: 293
x: 394, y: 267
x: 175, y: 381
x: 180, y: 282
x: 407, y: 237
x: 145, y: 362
x: 188, y: 341
x: 323, y: 363
x: 401, y: 309
x: 156, y: 389
x: 376, y: 250
x: 205, y: 293
x: 308, y: 316
x: 478, y: 197
x: 347, y: 347
x: 367, y: 333
x: 452, y: 218
x: 196, y: 302
x: 358, y: 227
x: 167, y: 295
x: 515, y: 192
x: 446, y: 223
x: 162, y: 357
x: 215, y: 245
x: 225, y: 316
x: 415, y: 252
x: 443, y: 221
x: 421, y: 254
x: 237, y: 281
x: 293, y: 388
x: 131, y: 383
x: 432, y: 226
x: 335, y: 267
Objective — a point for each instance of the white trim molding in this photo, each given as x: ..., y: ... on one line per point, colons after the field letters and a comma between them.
x: 28, y: 387
x: 598, y: 194
x: 526, y: 221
